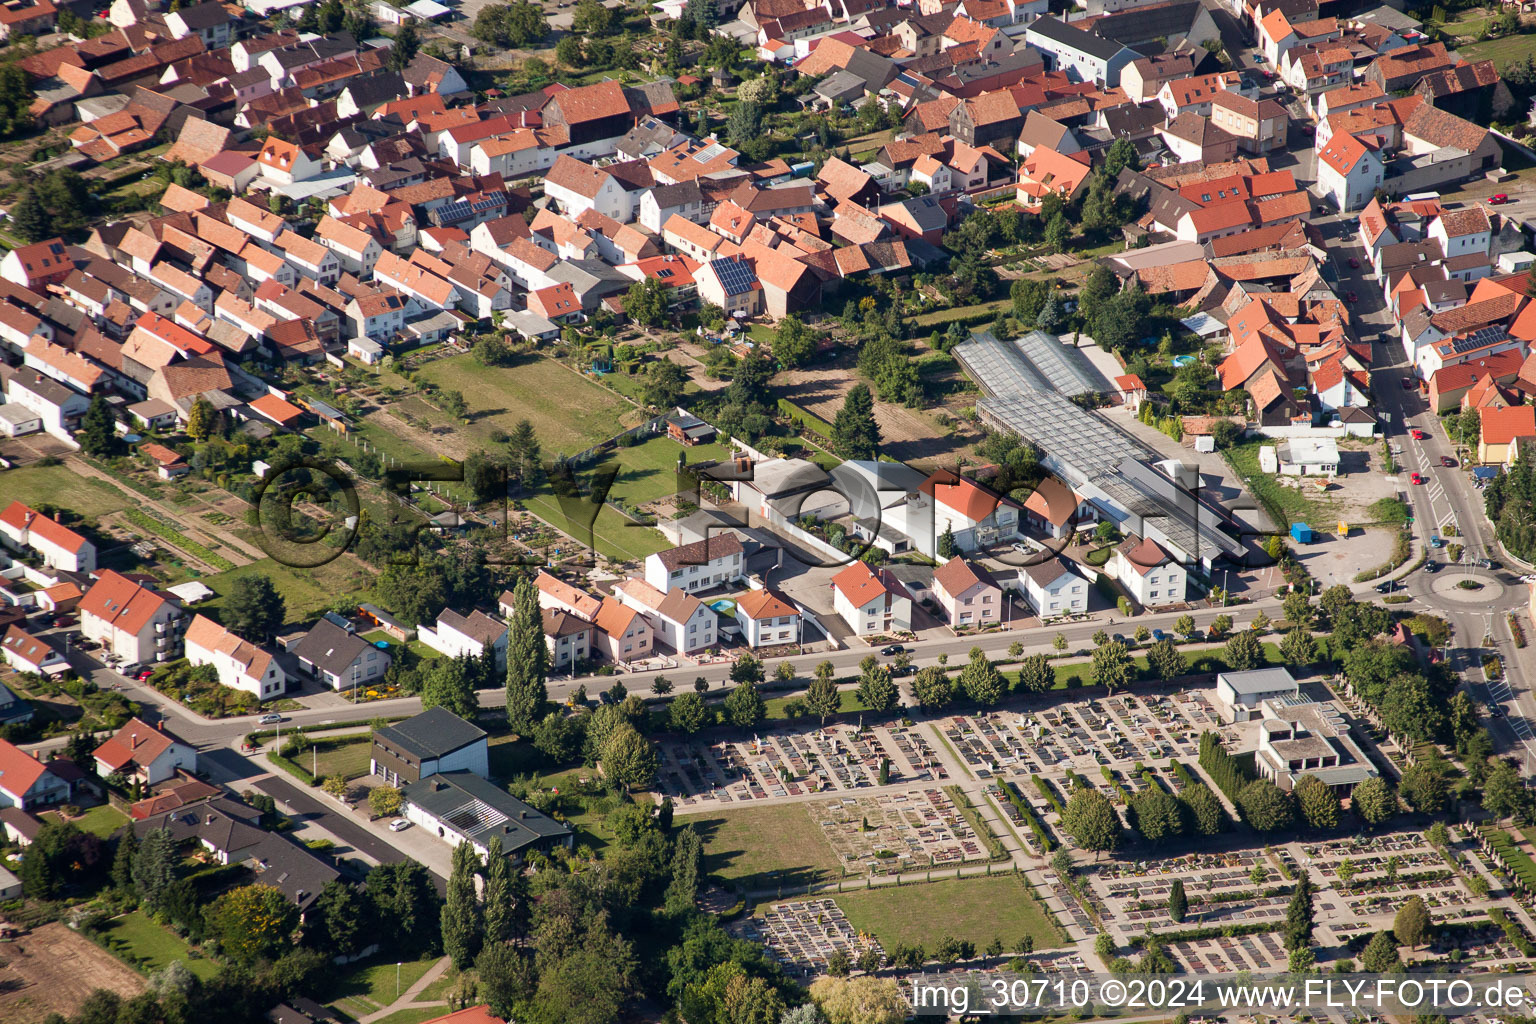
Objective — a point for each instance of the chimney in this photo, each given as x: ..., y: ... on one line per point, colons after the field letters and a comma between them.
x: 160, y: 725
x: 522, y: 814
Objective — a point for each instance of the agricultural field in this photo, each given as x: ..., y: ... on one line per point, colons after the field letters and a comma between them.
x: 62, y: 486
x: 908, y: 435
x: 764, y: 847
x: 979, y: 909
x: 568, y: 412
x: 52, y: 969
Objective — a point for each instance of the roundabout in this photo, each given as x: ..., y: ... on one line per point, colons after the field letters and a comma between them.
x: 1470, y: 587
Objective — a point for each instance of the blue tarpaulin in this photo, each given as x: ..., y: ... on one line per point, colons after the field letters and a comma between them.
x: 1485, y: 472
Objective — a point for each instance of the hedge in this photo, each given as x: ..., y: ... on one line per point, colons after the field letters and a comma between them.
x: 176, y: 537
x: 1230, y: 931
x: 292, y: 768
x: 1512, y: 931
x: 1049, y: 794
x: 1011, y: 791
x: 973, y: 817
x: 1227, y: 771
x: 1514, y: 858
x: 814, y: 423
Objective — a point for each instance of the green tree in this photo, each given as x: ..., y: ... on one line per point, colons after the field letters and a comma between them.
x: 403, y: 47
x: 982, y: 681
x: 747, y: 668
x: 1091, y: 821
x: 877, y: 690
x: 1504, y: 796
x: 255, y: 609
x: 591, y: 18
x: 1221, y: 625
x: 96, y: 434
x: 1166, y: 660
x: 1112, y: 666
x: 646, y: 301
x: 1299, y: 915
x: 203, y: 420
x: 1036, y: 674
x: 30, y: 219
x: 154, y: 868
x: 252, y: 922
x: 1058, y: 232
x: 932, y: 688
x: 450, y: 683
x: 1373, y: 801
x: 1243, y: 651
x: 1411, y: 925
x: 744, y: 706
x: 463, y: 920
x: 1178, y: 902
x: 123, y: 861
x: 1297, y: 608
x: 854, y: 430
x: 384, y: 801
x: 342, y: 919
x: 510, y: 26
x: 946, y: 546
x: 687, y: 713
x: 1184, y: 625
x: 1265, y: 806
x: 629, y: 759
x: 1157, y: 814
x: 558, y: 737
x: 505, y: 977
x: 1318, y: 804
x: 793, y: 343
x: 1203, y: 808
x: 1298, y: 647
x: 663, y: 383
x: 822, y: 697
x: 1424, y: 789
x: 527, y: 659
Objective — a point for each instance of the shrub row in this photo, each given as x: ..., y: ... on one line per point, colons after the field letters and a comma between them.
x: 811, y: 422
x: 1049, y: 794
x: 973, y: 817
x: 1512, y: 931
x: 1221, y: 766
x: 146, y: 522
x: 1011, y: 791
x: 1229, y: 931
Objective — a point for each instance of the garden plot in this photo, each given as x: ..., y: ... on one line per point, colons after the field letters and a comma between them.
x: 802, y: 935
x: 888, y: 833
x: 791, y: 761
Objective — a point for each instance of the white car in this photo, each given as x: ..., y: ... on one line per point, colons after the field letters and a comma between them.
x: 272, y: 719
x: 399, y: 825
x: 1531, y: 578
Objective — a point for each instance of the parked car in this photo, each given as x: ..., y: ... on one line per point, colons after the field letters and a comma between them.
x: 897, y: 671
x: 272, y: 719
x: 1354, y: 264
x: 1407, y: 383
x: 1431, y: 566
x: 892, y: 650
x: 1436, y: 542
x: 399, y: 825
x: 1418, y: 435
x: 1157, y: 635
x: 143, y: 674
x: 1352, y: 297
x: 64, y: 621
x: 1416, y: 478
x: 1447, y: 462
x: 1498, y: 200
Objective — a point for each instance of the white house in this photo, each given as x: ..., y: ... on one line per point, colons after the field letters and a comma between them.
x: 24, y: 528
x: 131, y: 621
x: 466, y: 635
x: 871, y: 601
x: 712, y: 562
x: 1460, y: 232
x: 678, y: 619
x: 567, y: 637
x: 27, y: 653
x: 1052, y: 589
x: 579, y: 187
x: 1084, y: 56
x: 335, y: 655
x: 1148, y: 572
x: 767, y: 619
x: 437, y: 740
x: 356, y: 249
x: 26, y: 782
x: 1241, y: 693
x: 461, y: 807
x: 974, y: 515
x: 58, y: 406
x: 1307, y: 456
x: 139, y: 750
x: 1348, y: 172
x: 241, y: 664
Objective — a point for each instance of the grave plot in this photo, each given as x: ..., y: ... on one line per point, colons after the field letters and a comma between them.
x: 803, y: 934
x: 793, y: 762
x: 1229, y: 955
x: 1219, y: 887
x: 1371, y: 876
x: 888, y: 833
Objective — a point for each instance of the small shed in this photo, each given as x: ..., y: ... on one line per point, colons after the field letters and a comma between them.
x: 1301, y: 533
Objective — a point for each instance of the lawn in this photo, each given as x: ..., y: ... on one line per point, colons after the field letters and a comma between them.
x: 62, y: 486
x: 350, y: 760
x: 648, y: 471
x: 101, y: 821
x: 568, y: 412
x: 151, y: 946
x: 611, y: 534
x: 307, y: 592
x: 413, y: 1016
x: 778, y: 706
x: 367, y: 990
x: 978, y: 909
x: 1501, y: 51
x: 763, y: 847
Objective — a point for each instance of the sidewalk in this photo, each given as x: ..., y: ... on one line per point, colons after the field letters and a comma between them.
x: 408, y: 1000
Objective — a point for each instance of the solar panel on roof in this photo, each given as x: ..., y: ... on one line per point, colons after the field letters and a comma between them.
x: 735, y: 276
x: 709, y: 153
x: 1479, y: 338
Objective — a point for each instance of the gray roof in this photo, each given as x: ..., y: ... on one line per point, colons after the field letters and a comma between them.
x: 1259, y: 680
x: 478, y: 810
x: 1069, y: 36
x: 330, y: 648
x: 840, y: 85
x: 433, y: 733
x: 1034, y: 362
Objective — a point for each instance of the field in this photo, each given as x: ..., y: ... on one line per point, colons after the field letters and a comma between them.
x: 152, y: 945
x: 978, y: 909
x: 52, y: 970
x: 62, y: 486
x: 349, y: 760
x: 906, y: 434
x: 764, y: 847
x: 568, y: 412
x: 306, y: 591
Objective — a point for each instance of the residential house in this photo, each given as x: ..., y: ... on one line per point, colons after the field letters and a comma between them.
x: 1148, y: 572
x: 466, y: 636
x: 871, y: 601
x: 141, y: 751
x: 131, y: 621
x: 1052, y: 589
x: 241, y: 665
x: 1259, y: 125
x: 730, y: 283
x: 624, y: 634
x: 462, y: 807
x: 766, y: 619
x: 436, y: 740
x: 1348, y: 172
x: 1498, y: 430
x: 335, y: 655
x: 1084, y: 56
x: 973, y: 515
x: 568, y: 638
x: 27, y: 653
x: 25, y: 529
x: 678, y: 619
x: 717, y: 561
x: 967, y: 593
x: 26, y: 782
